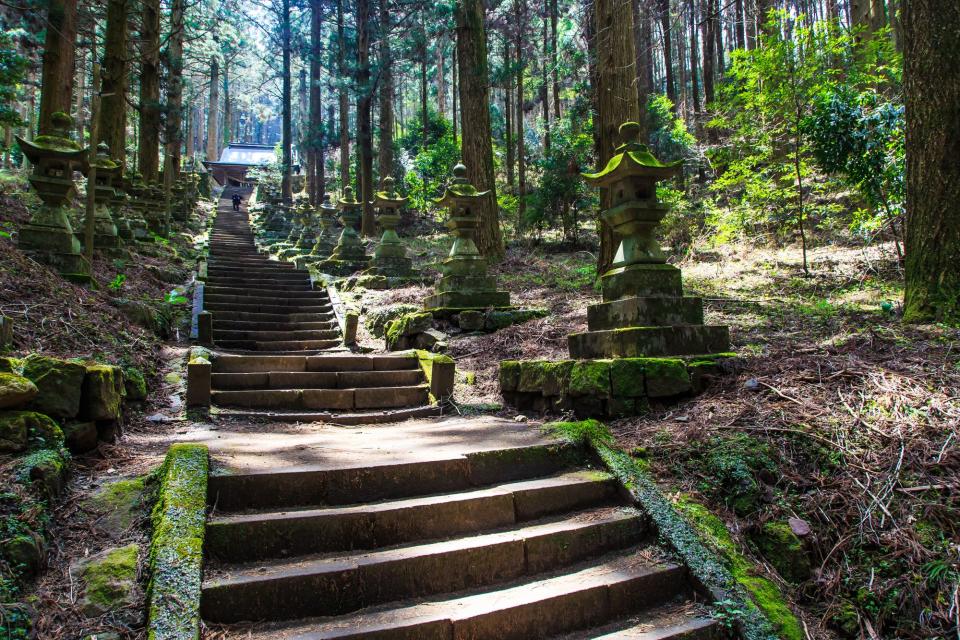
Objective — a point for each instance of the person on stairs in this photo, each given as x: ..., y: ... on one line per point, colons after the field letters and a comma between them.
x: 236, y: 202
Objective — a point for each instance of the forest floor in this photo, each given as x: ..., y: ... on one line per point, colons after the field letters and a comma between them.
x: 835, y: 414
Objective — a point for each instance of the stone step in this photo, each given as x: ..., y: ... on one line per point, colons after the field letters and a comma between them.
x: 257, y: 317
x: 340, y: 399
x: 232, y: 268
x: 250, y: 325
x: 258, y: 363
x: 298, y: 310
x: 338, y: 418
x: 280, y: 346
x: 284, y: 488
x: 538, y: 608
x: 272, y: 336
x: 662, y: 623
x: 303, y: 291
x: 257, y: 536
x: 336, y: 585
x: 268, y: 283
x: 277, y: 299
x: 317, y: 379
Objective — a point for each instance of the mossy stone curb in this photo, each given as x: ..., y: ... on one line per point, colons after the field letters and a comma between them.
x: 176, y: 549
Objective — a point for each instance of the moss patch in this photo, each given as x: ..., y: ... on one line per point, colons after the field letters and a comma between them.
x: 176, y: 549
x: 763, y: 592
x: 15, y: 391
x: 110, y: 580
x: 626, y: 377
x: 583, y: 432
x: 509, y: 375
x: 784, y: 550
x: 120, y: 504
x: 590, y: 378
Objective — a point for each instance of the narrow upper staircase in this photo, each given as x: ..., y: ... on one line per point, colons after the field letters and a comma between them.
x: 518, y: 542
x: 278, y: 346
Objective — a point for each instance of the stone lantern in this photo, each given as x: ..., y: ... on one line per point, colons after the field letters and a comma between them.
x: 348, y: 256
x: 326, y: 240
x: 137, y: 207
x: 308, y: 232
x: 465, y: 283
x: 49, y: 236
x: 105, y: 234
x: 644, y: 311
x: 390, y: 256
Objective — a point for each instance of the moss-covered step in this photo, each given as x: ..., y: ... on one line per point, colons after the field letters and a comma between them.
x: 467, y: 300
x: 641, y: 280
x: 636, y: 342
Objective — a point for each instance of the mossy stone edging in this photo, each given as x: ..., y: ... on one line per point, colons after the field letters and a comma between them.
x: 176, y: 547
x: 713, y: 573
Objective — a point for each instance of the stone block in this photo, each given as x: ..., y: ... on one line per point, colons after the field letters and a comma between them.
x: 440, y: 372
x: 475, y: 300
x: 108, y: 582
x: 509, y: 376
x: 205, y: 328
x: 627, y: 377
x: 16, y: 391
x: 328, y: 398
x: 556, y: 378
x: 619, y: 407
x: 644, y: 312
x: 103, y: 393
x: 81, y: 437
x: 135, y: 384
x: 351, y: 321
x: 430, y: 339
x: 531, y: 376
x: 27, y: 551
x: 666, y: 377
x: 470, y: 320
x: 642, y: 280
x: 6, y: 332
x: 590, y: 378
x: 639, y: 342
x: 199, y: 382
x: 59, y: 382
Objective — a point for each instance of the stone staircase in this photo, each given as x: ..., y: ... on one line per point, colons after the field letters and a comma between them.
x: 518, y: 542
x: 278, y: 349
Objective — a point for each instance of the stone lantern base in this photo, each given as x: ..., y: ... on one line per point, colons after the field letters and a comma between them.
x: 49, y: 239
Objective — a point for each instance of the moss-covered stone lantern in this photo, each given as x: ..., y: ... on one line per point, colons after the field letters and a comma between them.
x: 137, y: 207
x: 349, y: 255
x: 105, y: 235
x: 644, y: 311
x: 465, y: 283
x: 390, y: 256
x: 49, y: 236
x: 326, y: 240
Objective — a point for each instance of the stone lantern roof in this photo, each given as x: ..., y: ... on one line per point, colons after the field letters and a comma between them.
x: 632, y: 160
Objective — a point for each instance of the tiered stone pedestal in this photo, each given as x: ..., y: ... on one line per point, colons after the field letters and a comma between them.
x: 349, y: 256
x: 326, y: 238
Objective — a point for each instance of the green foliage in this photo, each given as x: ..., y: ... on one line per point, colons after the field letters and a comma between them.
x: 428, y: 168
x: 117, y: 283
x: 669, y: 138
x: 562, y: 194
x: 13, y: 71
x: 860, y: 137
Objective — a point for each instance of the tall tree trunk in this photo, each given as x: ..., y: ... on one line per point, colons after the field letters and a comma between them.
x: 425, y: 120
x: 708, y: 53
x: 644, y: 47
x: 616, y: 97
x: 113, y: 104
x: 286, y: 133
x: 739, y: 27
x: 149, y: 146
x: 81, y: 74
x: 315, y: 142
x: 509, y: 114
x: 368, y: 225
x: 343, y: 100
x: 520, y: 9
x: 554, y: 59
x: 213, y: 113
x: 716, y: 18
x: 174, y: 93
x: 441, y: 79
x: 454, y: 91
x: 303, y: 115
x: 663, y: 11
x: 386, y: 94
x: 544, y: 83
x: 227, y: 108
x: 474, y: 102
x: 932, y: 82
x: 694, y: 59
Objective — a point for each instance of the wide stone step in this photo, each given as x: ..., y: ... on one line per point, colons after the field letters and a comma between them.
x: 255, y: 363
x: 242, y: 538
x: 242, y: 294
x: 277, y: 299
x: 279, y: 346
x: 275, y: 318
x: 533, y: 609
x: 338, y: 418
x: 285, y: 488
x: 317, y: 379
x: 249, y: 325
x: 670, y: 622
x: 340, y: 399
x: 313, y: 586
x: 271, y: 336
x: 295, y: 309
x: 279, y: 284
